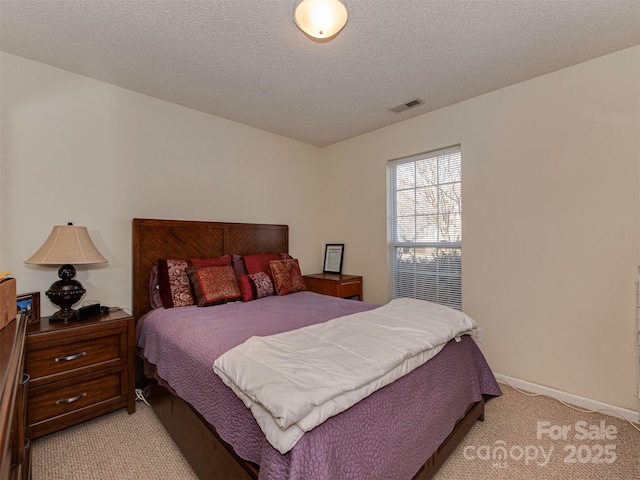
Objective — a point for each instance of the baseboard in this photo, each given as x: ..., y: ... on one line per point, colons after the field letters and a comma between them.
x: 582, y: 402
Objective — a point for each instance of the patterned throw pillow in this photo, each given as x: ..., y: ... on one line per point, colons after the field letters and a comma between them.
x: 255, y: 285
x: 214, y: 285
x: 287, y: 276
x: 173, y: 282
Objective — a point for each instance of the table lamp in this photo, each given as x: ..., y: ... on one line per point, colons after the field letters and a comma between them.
x: 66, y: 245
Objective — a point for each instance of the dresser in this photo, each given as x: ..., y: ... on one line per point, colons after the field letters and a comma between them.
x: 14, y: 442
x: 79, y: 370
x: 334, y: 284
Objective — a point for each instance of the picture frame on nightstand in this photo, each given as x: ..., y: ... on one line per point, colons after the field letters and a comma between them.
x: 333, y: 254
x: 29, y: 304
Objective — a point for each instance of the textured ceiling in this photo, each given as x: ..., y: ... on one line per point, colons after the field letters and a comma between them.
x: 245, y: 60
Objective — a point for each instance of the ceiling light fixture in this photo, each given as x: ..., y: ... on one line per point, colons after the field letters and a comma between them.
x: 320, y: 18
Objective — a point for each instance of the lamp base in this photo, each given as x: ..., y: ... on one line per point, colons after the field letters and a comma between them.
x: 64, y: 293
x: 64, y: 316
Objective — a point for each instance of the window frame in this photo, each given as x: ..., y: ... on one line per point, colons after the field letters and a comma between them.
x: 450, y: 296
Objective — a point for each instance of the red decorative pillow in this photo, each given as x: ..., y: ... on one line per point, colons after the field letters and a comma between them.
x: 259, y: 262
x: 214, y: 285
x: 287, y: 276
x: 255, y: 285
x: 173, y: 281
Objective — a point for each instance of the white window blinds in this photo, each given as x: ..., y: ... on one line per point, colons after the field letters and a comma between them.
x: 425, y: 227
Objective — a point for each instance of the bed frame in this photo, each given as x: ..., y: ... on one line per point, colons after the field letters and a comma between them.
x: 198, y: 441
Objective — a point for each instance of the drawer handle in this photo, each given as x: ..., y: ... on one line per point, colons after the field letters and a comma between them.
x: 72, y: 399
x: 26, y: 378
x: 71, y: 357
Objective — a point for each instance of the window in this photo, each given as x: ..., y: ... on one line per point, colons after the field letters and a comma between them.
x: 425, y: 227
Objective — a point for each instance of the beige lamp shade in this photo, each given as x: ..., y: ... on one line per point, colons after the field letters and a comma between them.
x: 67, y: 244
x: 320, y: 18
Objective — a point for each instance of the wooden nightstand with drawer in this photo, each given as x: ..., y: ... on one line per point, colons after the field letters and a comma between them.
x: 79, y: 370
x: 334, y: 284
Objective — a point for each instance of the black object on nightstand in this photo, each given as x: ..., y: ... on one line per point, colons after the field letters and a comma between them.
x: 89, y: 311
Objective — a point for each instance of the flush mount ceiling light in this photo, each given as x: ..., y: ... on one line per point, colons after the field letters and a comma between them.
x: 320, y: 18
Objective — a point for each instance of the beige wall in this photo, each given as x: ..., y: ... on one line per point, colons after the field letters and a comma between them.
x: 551, y: 220
x: 75, y: 149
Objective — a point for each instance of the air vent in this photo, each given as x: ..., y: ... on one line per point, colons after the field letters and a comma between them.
x: 407, y: 106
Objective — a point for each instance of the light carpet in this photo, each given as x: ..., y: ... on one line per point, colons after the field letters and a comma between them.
x: 540, y: 439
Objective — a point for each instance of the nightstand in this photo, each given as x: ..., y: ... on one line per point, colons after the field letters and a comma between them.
x: 79, y: 370
x: 334, y: 284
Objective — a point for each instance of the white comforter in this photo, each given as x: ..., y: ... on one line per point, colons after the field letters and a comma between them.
x: 294, y: 381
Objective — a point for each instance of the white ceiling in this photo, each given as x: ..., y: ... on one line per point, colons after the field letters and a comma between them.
x: 246, y: 61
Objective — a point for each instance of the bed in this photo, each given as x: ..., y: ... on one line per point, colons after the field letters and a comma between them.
x: 408, y: 428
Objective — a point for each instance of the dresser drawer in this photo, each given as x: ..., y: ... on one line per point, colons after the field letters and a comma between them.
x: 75, y: 355
x: 67, y: 397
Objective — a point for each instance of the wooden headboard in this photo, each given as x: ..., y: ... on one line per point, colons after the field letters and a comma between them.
x: 184, y: 239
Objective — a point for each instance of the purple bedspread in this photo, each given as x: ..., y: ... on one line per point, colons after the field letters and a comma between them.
x: 389, y: 434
